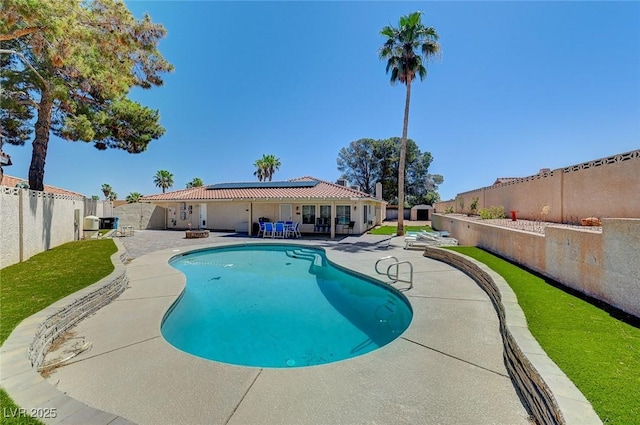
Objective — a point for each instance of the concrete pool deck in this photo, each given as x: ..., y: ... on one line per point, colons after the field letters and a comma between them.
x: 447, y: 368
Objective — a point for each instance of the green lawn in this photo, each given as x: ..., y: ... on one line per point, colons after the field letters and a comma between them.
x: 30, y: 286
x: 391, y: 230
x: 598, y: 352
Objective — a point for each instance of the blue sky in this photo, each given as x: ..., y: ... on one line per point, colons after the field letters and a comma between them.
x: 520, y: 86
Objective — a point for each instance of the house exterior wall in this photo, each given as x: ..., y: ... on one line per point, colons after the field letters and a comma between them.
x: 228, y: 216
x: 269, y: 210
x: 602, y: 265
x: 236, y: 215
x: 606, y: 187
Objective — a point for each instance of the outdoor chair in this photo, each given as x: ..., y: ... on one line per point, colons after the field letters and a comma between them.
x: 279, y: 230
x: 294, y: 230
x: 350, y: 227
x: 268, y: 230
x: 261, y: 229
x: 423, y: 239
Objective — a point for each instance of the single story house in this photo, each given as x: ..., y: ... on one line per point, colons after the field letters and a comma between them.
x: 319, y: 206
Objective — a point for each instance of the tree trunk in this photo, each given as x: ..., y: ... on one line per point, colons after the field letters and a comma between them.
x: 402, y: 162
x: 41, y: 141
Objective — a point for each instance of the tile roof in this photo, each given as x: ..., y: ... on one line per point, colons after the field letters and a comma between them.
x: 10, y: 181
x: 267, y: 191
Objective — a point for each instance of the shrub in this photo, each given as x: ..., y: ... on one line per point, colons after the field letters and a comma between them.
x: 494, y: 211
x: 474, y: 204
x: 461, y: 204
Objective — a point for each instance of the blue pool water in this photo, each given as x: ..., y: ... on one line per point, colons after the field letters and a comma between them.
x: 279, y: 306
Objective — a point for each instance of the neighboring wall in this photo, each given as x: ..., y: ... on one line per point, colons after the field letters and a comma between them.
x: 141, y: 216
x: 602, y: 265
x: 98, y: 208
x: 33, y: 221
x: 606, y: 187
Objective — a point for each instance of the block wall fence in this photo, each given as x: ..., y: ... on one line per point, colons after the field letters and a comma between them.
x: 603, y: 265
x: 32, y: 222
x: 603, y: 188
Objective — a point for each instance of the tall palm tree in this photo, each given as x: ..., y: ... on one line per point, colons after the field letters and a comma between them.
x: 266, y: 167
x: 407, y: 50
x: 163, y: 179
x: 196, y: 182
x: 106, y: 190
x: 113, y: 196
x: 134, y: 197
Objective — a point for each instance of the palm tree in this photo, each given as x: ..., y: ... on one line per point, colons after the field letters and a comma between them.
x: 134, y: 197
x: 406, y: 51
x: 272, y: 164
x: 266, y: 167
x: 106, y: 190
x: 260, y: 169
x: 163, y: 179
x: 113, y: 196
x: 196, y: 182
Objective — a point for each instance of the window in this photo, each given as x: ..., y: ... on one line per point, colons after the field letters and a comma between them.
x: 343, y: 213
x: 308, y: 214
x: 325, y: 212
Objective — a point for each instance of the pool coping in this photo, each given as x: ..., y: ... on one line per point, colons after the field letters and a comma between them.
x: 551, y: 396
x: 32, y: 392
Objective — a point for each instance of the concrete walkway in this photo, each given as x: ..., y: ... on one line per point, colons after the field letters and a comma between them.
x: 447, y: 368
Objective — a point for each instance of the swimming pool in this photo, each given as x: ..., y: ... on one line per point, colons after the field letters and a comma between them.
x: 279, y: 305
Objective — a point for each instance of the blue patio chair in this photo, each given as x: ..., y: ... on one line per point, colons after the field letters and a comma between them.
x: 268, y: 230
x: 293, y: 230
x: 261, y: 229
x: 296, y: 230
x: 279, y: 231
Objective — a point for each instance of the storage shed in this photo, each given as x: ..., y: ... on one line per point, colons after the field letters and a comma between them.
x: 421, y: 213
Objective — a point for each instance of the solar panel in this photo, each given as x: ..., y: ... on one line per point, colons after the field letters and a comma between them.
x: 263, y: 185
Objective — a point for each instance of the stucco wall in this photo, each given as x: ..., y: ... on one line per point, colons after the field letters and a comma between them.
x: 32, y: 222
x: 98, y: 208
x: 9, y: 227
x: 606, y: 187
x: 228, y: 215
x: 621, y: 248
x: 602, y: 265
x: 518, y: 246
x: 141, y: 216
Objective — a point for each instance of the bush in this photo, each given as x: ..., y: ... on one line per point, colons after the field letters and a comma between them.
x: 494, y: 211
x: 474, y: 204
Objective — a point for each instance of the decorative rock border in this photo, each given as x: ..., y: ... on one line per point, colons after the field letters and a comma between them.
x: 193, y: 234
x: 65, y: 318
x: 22, y: 353
x: 536, y: 377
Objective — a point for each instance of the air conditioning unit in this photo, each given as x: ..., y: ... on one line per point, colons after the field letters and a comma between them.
x: 342, y: 182
x: 356, y: 187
